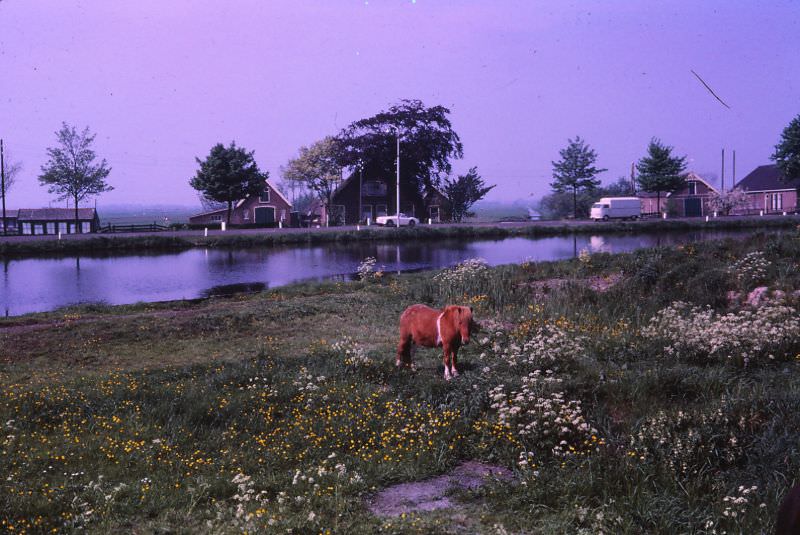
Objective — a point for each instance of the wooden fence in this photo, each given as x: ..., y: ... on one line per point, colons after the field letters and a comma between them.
x: 150, y: 227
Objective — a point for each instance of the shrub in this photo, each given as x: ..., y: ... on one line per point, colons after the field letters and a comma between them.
x: 768, y: 332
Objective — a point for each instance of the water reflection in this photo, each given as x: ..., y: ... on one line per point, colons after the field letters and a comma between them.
x: 32, y: 285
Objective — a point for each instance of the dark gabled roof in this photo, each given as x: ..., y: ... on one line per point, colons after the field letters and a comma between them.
x: 54, y: 214
x: 766, y: 178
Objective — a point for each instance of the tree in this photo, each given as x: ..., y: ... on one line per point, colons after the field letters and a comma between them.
x: 70, y: 171
x: 427, y: 144
x: 318, y: 166
x: 575, y: 171
x: 228, y: 174
x: 727, y: 201
x: 463, y: 192
x: 659, y: 171
x: 9, y: 172
x: 787, y: 152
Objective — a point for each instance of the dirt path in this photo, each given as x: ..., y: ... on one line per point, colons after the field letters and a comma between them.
x: 433, y: 494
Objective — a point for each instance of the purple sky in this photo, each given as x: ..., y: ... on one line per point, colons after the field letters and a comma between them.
x: 161, y: 81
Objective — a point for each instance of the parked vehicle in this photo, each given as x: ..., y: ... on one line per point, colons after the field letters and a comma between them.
x: 616, y: 208
x: 392, y: 220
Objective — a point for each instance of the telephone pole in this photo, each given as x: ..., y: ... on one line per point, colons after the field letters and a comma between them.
x: 3, y: 187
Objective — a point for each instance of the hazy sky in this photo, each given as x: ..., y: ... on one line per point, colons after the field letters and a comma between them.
x: 161, y: 81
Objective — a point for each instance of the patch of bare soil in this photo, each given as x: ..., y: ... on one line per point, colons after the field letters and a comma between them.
x: 598, y: 283
x: 432, y: 494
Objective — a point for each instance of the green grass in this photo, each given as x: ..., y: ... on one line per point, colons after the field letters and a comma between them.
x: 139, y: 418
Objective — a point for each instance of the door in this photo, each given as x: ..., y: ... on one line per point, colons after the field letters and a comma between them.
x: 265, y: 215
x: 692, y: 207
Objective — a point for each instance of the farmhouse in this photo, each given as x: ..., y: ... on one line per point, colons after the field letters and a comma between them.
x: 51, y: 221
x: 768, y: 190
x: 689, y: 201
x: 266, y: 208
x: 367, y: 194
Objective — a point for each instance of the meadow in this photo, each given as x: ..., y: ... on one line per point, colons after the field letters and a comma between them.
x: 633, y: 393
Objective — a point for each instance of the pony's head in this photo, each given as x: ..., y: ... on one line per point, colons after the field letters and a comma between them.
x: 462, y: 320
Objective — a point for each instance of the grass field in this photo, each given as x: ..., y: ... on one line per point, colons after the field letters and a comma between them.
x: 633, y: 393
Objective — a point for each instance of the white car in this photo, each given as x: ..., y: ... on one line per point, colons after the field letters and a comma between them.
x: 392, y: 220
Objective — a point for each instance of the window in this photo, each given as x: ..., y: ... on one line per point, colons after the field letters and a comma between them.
x: 433, y: 213
x: 692, y: 187
x: 26, y: 228
x: 86, y: 227
x: 374, y: 188
x: 38, y: 229
x: 63, y: 228
x: 216, y: 218
x: 775, y: 201
x: 51, y: 228
x: 264, y: 195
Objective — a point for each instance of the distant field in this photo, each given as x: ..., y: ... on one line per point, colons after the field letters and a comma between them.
x: 498, y: 212
x: 138, y: 215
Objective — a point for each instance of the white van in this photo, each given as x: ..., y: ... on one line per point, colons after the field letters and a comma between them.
x: 616, y: 208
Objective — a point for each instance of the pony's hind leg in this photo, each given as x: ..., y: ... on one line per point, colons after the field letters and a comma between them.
x: 405, y: 349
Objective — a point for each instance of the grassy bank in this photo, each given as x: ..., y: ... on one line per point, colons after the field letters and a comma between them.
x: 629, y: 394
x: 98, y: 244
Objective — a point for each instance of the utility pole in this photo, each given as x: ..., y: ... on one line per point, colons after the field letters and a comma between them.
x: 360, y: 189
x: 397, y: 131
x: 3, y: 187
x: 722, y: 186
x: 733, y: 182
x: 633, y: 177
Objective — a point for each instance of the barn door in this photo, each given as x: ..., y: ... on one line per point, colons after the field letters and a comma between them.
x: 265, y: 215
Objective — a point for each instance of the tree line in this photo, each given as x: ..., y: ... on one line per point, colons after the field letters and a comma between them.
x: 576, y: 187
x: 429, y: 143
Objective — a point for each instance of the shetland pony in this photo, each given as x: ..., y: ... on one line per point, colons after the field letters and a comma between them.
x: 788, y: 522
x: 448, y: 328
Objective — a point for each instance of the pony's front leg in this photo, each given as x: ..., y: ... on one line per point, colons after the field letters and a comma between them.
x: 446, y: 360
x: 453, y: 370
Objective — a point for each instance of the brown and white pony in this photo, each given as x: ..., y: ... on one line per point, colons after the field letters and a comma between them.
x: 448, y: 328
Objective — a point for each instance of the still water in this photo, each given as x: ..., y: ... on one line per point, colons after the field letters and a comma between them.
x: 36, y: 285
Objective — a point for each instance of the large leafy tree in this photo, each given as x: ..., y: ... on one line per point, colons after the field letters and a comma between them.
x: 660, y: 172
x: 463, y: 192
x: 428, y: 144
x: 787, y: 152
x: 71, y: 171
x: 575, y: 171
x: 318, y: 167
x: 227, y: 175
